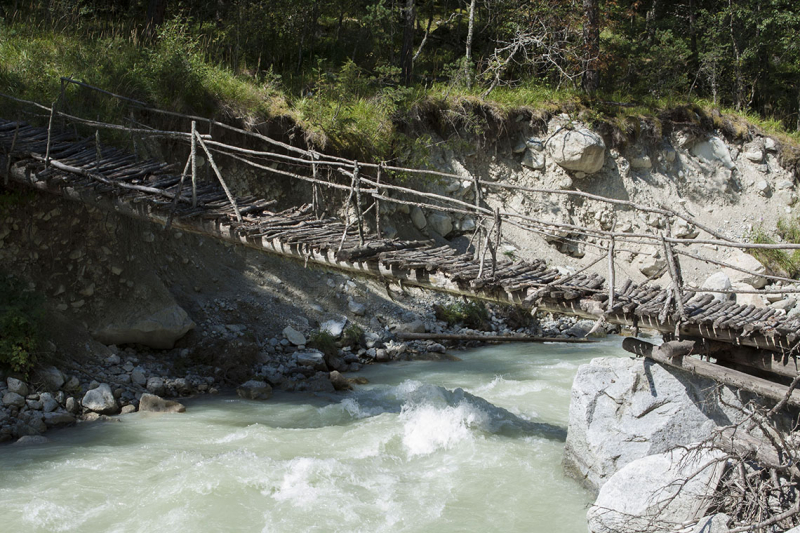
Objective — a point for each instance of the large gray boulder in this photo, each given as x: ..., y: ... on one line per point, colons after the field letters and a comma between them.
x: 623, y: 409
x: 749, y: 263
x: 12, y: 399
x: 51, y: 378
x: 718, y: 282
x: 311, y: 359
x: 440, y: 223
x: 155, y: 404
x: 579, y: 149
x: 17, y: 386
x: 254, y: 390
x: 713, y: 151
x: 294, y: 336
x: 657, y: 494
x: 101, y: 400
x: 159, y: 329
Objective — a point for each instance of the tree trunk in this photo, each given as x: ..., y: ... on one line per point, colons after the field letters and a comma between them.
x: 694, y: 56
x: 591, y: 39
x: 407, y: 53
x: 156, y: 9
x: 468, y: 54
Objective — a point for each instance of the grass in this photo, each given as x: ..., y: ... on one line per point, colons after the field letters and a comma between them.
x: 21, y: 316
x: 779, y: 260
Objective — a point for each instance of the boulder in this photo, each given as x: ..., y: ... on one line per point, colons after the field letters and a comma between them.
x: 159, y: 329
x: 440, y: 223
x: 51, y: 378
x: 716, y: 523
x: 101, y: 400
x: 756, y: 300
x: 415, y: 326
x: 658, y: 493
x: 650, y: 265
x: 49, y: 404
x: 534, y: 159
x: 418, y: 218
x: 311, y: 359
x: 718, y: 282
x: 156, y: 404
x: 339, y: 382
x: 683, y: 230
x: 641, y: 162
x: 29, y: 440
x: 334, y: 327
x: 138, y: 377
x: 155, y: 385
x: 12, y: 399
x: 623, y: 409
x: 579, y: 150
x: 786, y: 304
x: 294, y: 336
x: 58, y: 419
x: 713, y: 151
x: 357, y: 308
x: 17, y: 386
x: 746, y: 262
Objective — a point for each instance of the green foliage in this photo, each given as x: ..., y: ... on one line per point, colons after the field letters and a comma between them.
x: 21, y: 315
x: 354, y: 334
x: 779, y: 260
x: 473, y: 315
x: 324, y: 342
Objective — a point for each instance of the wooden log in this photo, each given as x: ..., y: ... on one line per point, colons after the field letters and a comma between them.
x: 193, y: 156
x: 10, y: 152
x: 726, y: 376
x: 487, y: 338
x: 49, y: 132
x: 219, y: 176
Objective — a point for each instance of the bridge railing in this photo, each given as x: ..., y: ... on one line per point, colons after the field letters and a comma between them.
x: 370, y: 184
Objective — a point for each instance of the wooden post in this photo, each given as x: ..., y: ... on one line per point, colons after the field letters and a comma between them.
x: 10, y: 152
x: 208, y: 170
x: 49, y: 133
x: 177, y: 194
x: 314, y: 186
x: 61, y: 104
x: 347, y: 213
x: 677, y: 278
x: 480, y: 221
x: 378, y: 203
x: 611, y: 273
x: 219, y: 177
x: 133, y: 139
x: 193, y: 156
x: 357, y: 180
x: 497, y: 223
x: 98, y: 154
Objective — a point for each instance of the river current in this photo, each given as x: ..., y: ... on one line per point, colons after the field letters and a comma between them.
x: 451, y: 446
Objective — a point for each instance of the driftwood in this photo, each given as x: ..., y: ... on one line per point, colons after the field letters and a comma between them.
x: 487, y: 338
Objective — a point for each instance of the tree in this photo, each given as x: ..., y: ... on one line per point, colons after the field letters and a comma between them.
x: 407, y: 53
x: 591, y: 39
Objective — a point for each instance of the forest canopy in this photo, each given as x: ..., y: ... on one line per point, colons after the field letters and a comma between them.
x: 740, y: 54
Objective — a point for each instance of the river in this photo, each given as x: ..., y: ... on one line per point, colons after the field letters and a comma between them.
x: 471, y: 445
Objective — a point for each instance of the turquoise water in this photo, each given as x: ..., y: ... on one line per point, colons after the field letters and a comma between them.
x: 470, y: 445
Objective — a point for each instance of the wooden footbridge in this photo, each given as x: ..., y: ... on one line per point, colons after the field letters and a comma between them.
x: 752, y: 347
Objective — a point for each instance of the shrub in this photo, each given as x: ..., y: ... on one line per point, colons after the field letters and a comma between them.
x: 21, y: 315
x: 352, y: 335
x: 473, y: 315
x: 324, y: 342
x: 779, y: 260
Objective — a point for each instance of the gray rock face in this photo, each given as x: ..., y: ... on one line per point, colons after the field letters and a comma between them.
x: 294, y: 336
x: 418, y: 218
x: 51, y: 378
x: 155, y: 385
x: 717, y: 523
x: 155, y: 404
x: 17, y: 386
x: 644, y: 496
x: 101, y: 400
x: 623, y: 409
x: 311, y: 359
x: 334, y: 327
x: 718, y: 282
x: 254, y: 390
x: 72, y: 405
x: 12, y: 399
x: 580, y: 150
x: 159, y: 329
x: 534, y: 159
x: 650, y: 265
x: 415, y: 326
x: 746, y: 262
x: 440, y: 223
x: 58, y: 419
x: 138, y: 377
x: 49, y: 404
x: 713, y: 151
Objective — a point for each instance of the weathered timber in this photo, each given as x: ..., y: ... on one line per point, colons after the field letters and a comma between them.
x: 487, y: 338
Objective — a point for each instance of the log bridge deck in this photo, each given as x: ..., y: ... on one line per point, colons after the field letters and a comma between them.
x: 112, y: 179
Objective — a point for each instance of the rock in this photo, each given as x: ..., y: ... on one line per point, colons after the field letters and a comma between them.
x: 418, y: 218
x: 58, y: 419
x: 159, y: 329
x: 357, y: 308
x: 755, y: 300
x: 12, y: 399
x: 642, y: 162
x: 580, y: 330
x: 650, y: 265
x: 746, y: 262
x: 534, y: 159
x: 30, y: 440
x: 49, y: 404
x: 623, y: 409
x: 754, y: 154
x: 579, y: 150
x: 319, y: 382
x: 415, y: 326
x: 113, y: 359
x: 762, y: 187
x: 72, y: 405
x: 101, y: 400
x: 644, y: 495
x: 717, y: 523
x: 182, y: 387
x: 713, y: 151
x: 770, y: 145
x: 683, y: 230
x: 34, y: 405
x: 294, y: 336
x: 155, y: 404
x: 138, y: 377
x: 785, y: 304
x: 155, y: 385
x: 17, y: 386
x: 339, y: 381
x: 311, y: 359
x: 334, y: 327
x: 467, y: 224
x: 72, y: 384
x: 128, y: 409
x: 519, y: 147
x: 718, y: 282
x: 51, y: 378
x: 440, y: 223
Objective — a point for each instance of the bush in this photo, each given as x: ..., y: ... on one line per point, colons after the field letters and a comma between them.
x: 473, y: 315
x: 21, y: 315
x: 352, y: 335
x: 779, y: 260
x: 324, y: 342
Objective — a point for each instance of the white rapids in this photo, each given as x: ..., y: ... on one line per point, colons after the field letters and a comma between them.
x: 472, y: 445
